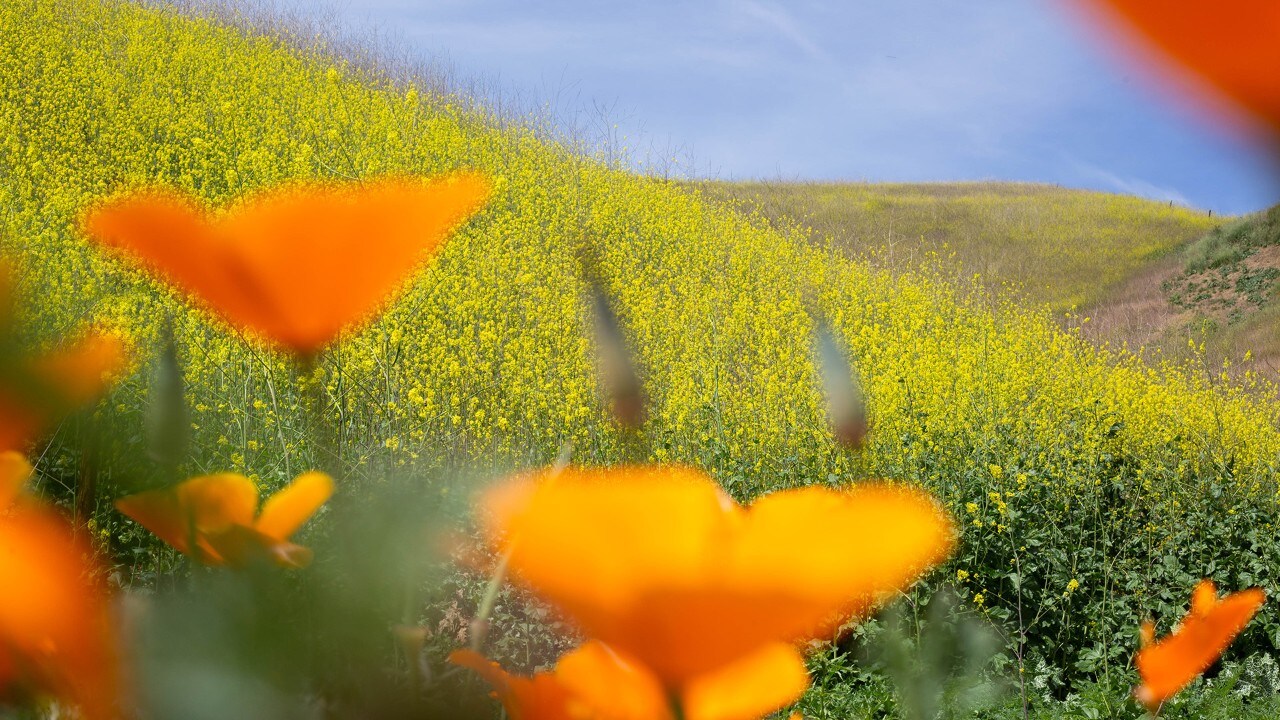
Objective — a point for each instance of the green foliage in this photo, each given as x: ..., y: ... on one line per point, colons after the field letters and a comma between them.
x: 938, y: 659
x: 1231, y: 243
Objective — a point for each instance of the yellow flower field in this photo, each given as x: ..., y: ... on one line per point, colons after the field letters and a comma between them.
x: 1076, y: 469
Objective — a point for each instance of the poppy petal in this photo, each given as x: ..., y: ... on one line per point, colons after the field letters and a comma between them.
x: 284, y: 512
x: 1204, y: 598
x: 861, y: 545
x: 491, y: 671
x: 170, y: 235
x: 623, y: 529
x: 55, y: 383
x: 82, y: 370
x: 617, y: 687
x: 194, y: 508
x: 1233, y: 45
x: 56, y: 629
x: 241, y: 546
x: 271, y: 263
x: 540, y: 697
x: 217, y: 502
x: 751, y: 687
x: 159, y: 512
x: 18, y: 423
x: 660, y: 564
x: 1170, y: 664
x: 299, y: 243
x: 15, y: 471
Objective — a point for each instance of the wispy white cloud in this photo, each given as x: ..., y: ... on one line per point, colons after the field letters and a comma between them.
x: 1105, y: 179
x: 785, y: 25
x: 906, y: 90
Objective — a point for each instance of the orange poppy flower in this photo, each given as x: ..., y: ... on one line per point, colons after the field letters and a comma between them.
x: 55, y: 634
x: 596, y: 682
x: 217, y: 512
x: 298, y: 264
x: 664, y: 567
x: 37, y: 391
x: 1233, y: 45
x: 14, y: 473
x: 1167, y: 666
x: 590, y: 683
x: 34, y: 391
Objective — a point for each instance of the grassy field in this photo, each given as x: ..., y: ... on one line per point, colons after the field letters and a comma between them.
x: 1093, y: 489
x: 1061, y: 247
x: 1170, y: 283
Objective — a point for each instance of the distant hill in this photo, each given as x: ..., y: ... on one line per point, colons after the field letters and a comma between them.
x: 1065, y: 248
x: 1127, y: 272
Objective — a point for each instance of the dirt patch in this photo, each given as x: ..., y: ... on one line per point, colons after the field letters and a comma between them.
x: 1137, y: 313
x: 1230, y: 310
x: 1231, y: 292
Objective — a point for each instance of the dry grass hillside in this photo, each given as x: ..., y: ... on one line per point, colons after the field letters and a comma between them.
x: 1065, y: 248
x: 1127, y: 272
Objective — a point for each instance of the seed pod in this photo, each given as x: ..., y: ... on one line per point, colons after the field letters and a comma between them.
x: 168, y: 426
x: 846, y: 405
x: 618, y: 377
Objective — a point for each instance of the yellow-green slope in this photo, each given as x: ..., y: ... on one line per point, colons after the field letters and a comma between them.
x: 486, y: 349
x: 1057, y: 246
x: 1168, y: 282
x: 1027, y: 431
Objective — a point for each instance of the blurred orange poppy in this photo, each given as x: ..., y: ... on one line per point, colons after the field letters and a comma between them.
x: 55, y: 635
x: 34, y: 392
x: 664, y: 567
x: 597, y: 682
x: 297, y: 264
x: 590, y: 683
x: 1167, y: 666
x: 1233, y: 45
x: 217, y: 513
x: 15, y: 471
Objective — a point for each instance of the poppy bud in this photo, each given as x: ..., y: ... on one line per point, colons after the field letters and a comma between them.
x: 846, y: 405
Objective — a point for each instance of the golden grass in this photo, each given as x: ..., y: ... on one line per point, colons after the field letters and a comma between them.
x: 1062, y: 247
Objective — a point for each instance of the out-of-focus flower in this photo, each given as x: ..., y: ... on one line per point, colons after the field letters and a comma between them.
x: 591, y: 683
x: 1177, y: 659
x: 664, y: 567
x: 1232, y: 45
x: 33, y: 392
x: 540, y: 697
x: 846, y: 405
x: 598, y: 683
x: 297, y: 264
x: 217, y: 513
x: 54, y: 632
x: 15, y: 471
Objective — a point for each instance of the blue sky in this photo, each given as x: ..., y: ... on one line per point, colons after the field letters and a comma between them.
x: 896, y: 90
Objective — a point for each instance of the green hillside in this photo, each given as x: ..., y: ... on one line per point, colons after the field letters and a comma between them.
x: 1092, y: 489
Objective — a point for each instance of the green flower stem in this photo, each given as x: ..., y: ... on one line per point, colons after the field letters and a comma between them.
x: 480, y: 624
